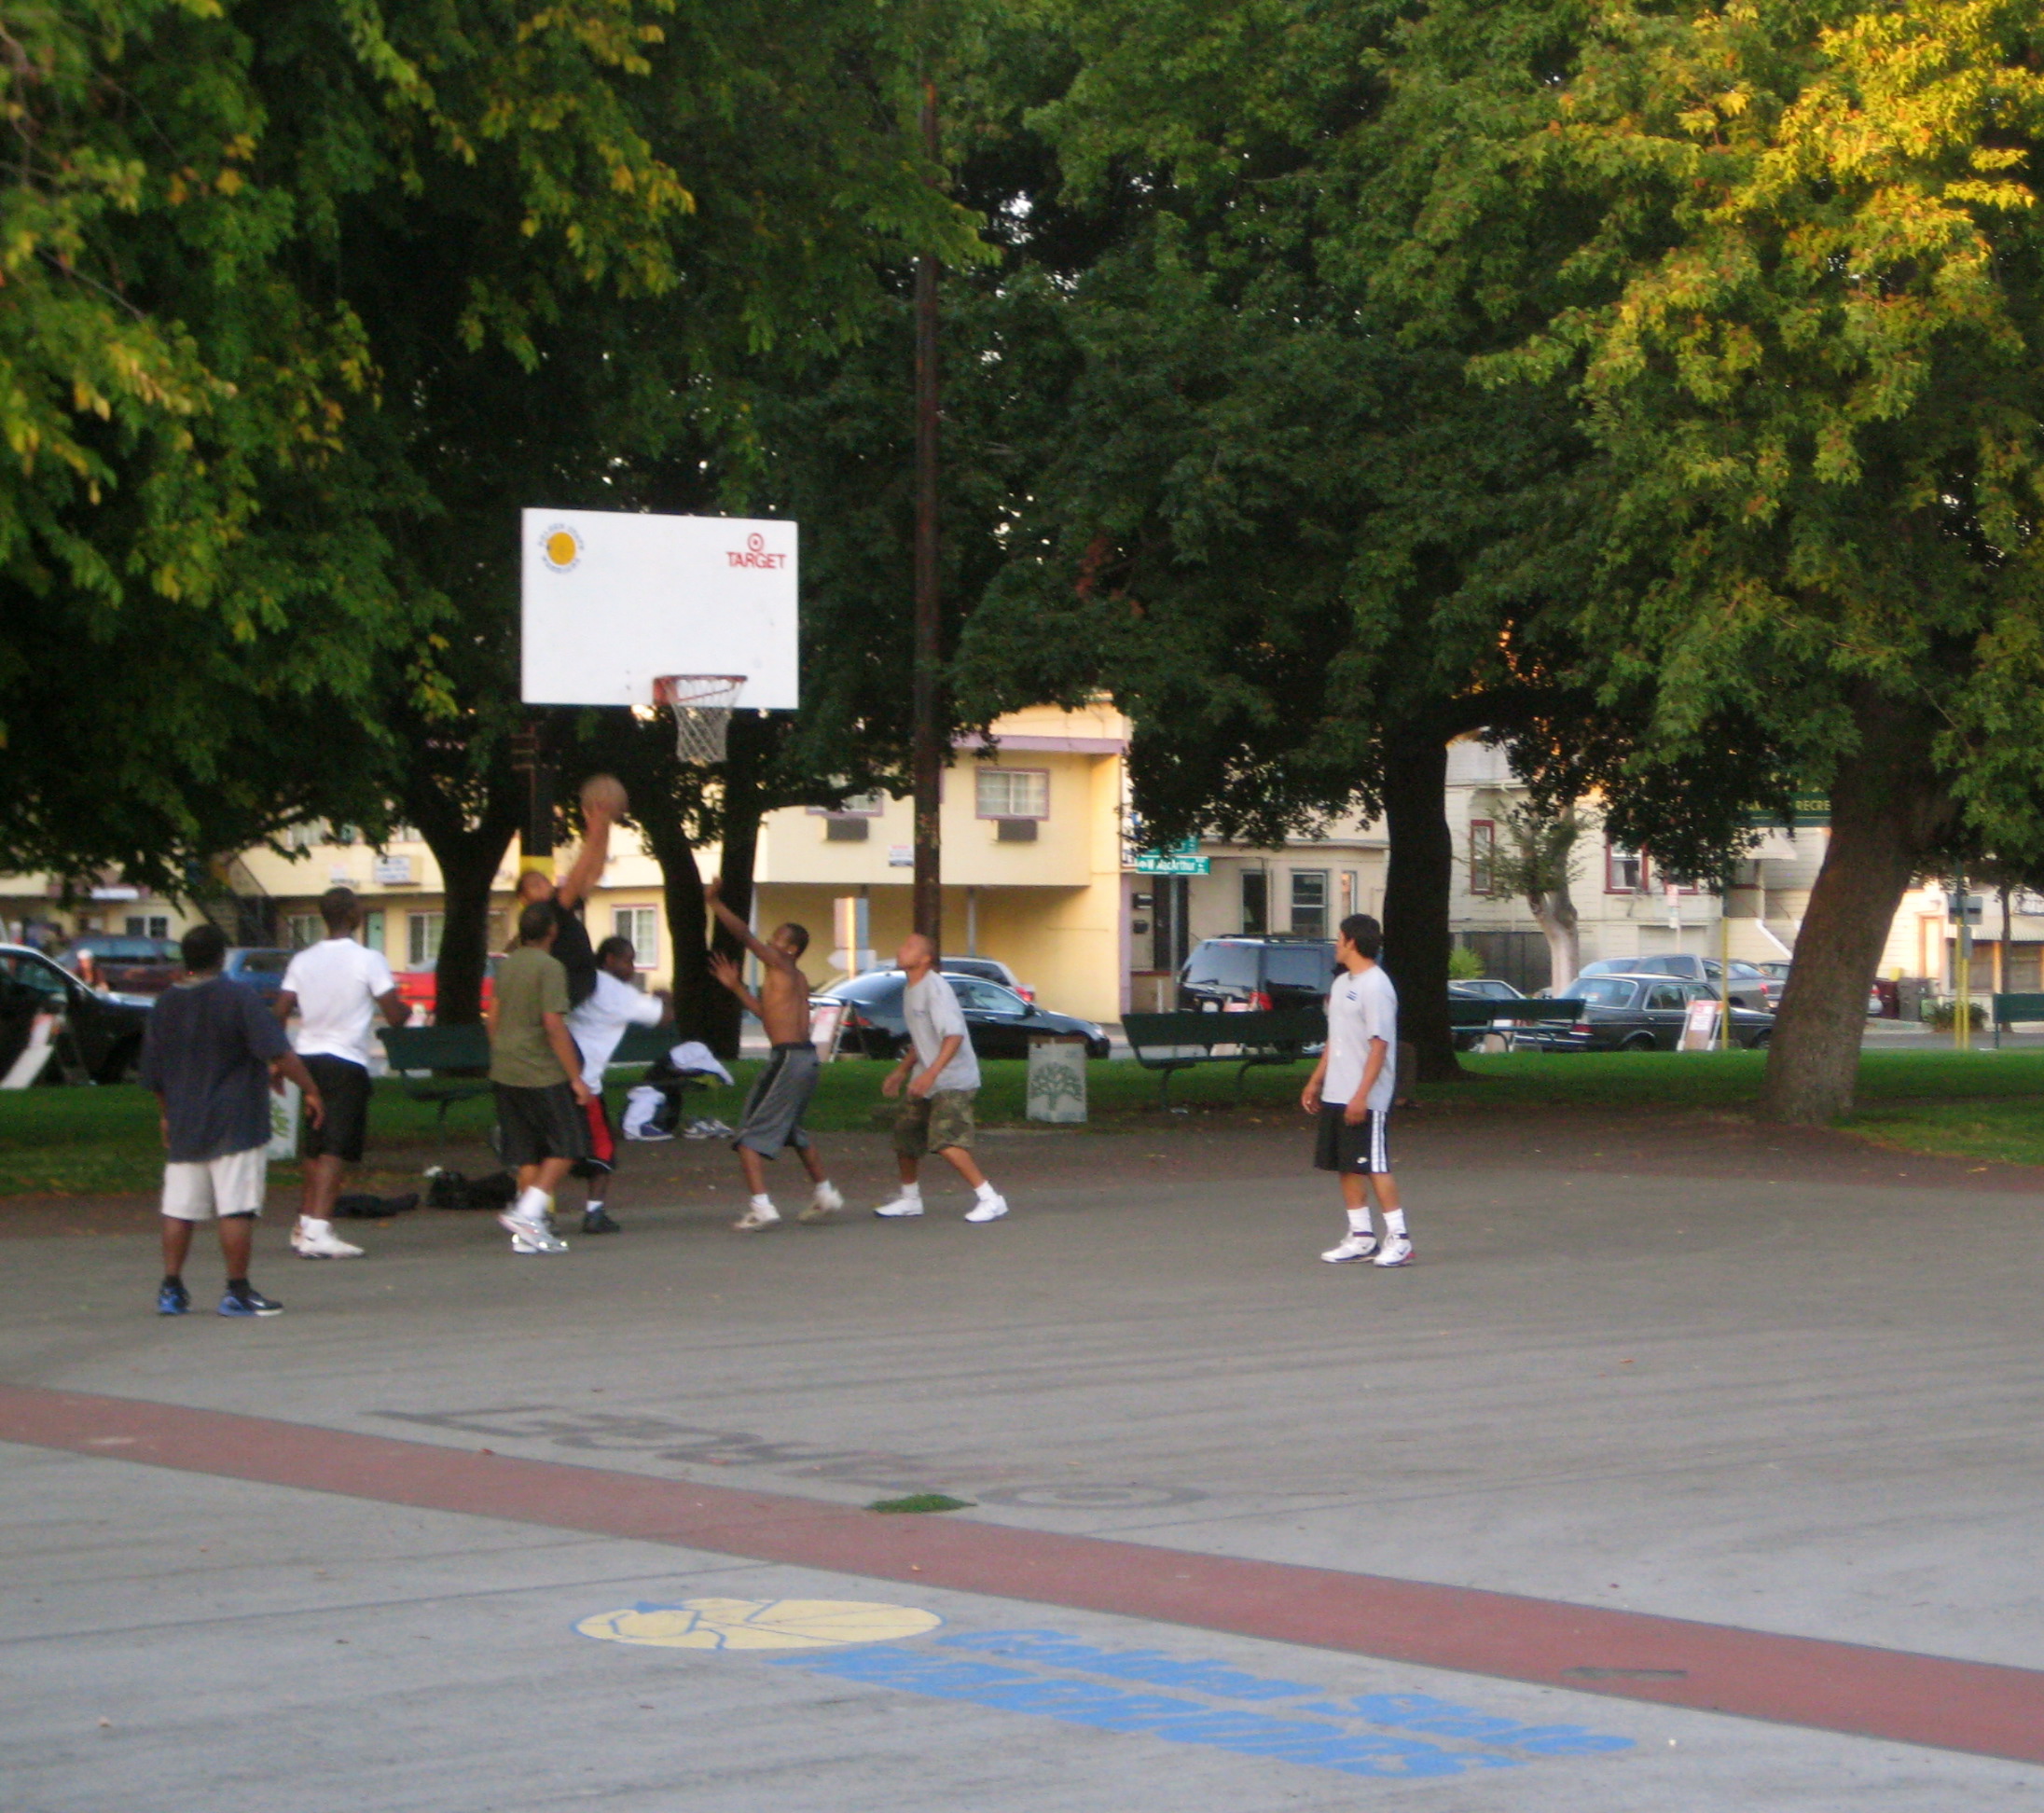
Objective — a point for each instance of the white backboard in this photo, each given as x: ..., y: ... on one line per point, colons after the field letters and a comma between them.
x: 612, y: 600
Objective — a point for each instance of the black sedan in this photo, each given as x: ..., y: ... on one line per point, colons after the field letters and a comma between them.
x: 101, y: 1035
x: 1639, y: 1013
x: 1000, y: 1022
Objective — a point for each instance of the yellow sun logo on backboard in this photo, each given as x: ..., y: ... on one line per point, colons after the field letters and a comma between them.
x: 561, y: 547
x: 722, y: 1624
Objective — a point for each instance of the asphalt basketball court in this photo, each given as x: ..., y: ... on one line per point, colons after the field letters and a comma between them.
x: 1692, y: 1479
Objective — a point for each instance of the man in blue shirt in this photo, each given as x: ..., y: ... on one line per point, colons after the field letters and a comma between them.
x: 211, y: 1053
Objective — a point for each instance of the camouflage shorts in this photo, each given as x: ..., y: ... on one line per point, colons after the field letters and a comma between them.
x: 940, y: 1119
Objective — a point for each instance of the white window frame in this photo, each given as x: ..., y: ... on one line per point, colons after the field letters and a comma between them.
x: 1292, y: 898
x: 1483, y: 856
x: 1615, y: 857
x: 865, y: 805
x: 417, y: 936
x: 625, y: 923
x: 987, y: 772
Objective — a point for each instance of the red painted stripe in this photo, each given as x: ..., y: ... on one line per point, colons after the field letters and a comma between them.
x: 1871, y: 1693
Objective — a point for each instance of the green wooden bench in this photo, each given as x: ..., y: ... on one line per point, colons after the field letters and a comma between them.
x: 1170, y: 1042
x: 445, y: 1064
x: 1466, y: 1011
x: 2009, y: 1010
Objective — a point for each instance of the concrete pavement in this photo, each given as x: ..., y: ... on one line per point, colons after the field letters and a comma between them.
x: 1789, y: 1405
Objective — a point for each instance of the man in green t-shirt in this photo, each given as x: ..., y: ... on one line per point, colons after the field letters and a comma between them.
x: 538, y: 1077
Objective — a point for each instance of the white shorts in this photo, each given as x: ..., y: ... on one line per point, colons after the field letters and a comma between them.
x: 232, y: 1185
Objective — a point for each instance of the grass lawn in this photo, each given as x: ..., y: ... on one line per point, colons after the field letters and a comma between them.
x: 1981, y: 1105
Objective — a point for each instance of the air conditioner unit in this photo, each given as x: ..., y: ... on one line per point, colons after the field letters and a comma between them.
x: 1014, y: 830
x: 847, y: 830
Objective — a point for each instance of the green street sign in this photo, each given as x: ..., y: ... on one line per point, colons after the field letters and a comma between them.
x: 1152, y: 862
x: 1805, y: 811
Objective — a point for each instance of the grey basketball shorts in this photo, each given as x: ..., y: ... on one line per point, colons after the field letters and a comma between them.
x: 780, y: 1096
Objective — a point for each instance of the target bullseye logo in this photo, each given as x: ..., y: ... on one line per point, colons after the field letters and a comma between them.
x: 729, y: 1624
x: 754, y: 554
x: 561, y: 547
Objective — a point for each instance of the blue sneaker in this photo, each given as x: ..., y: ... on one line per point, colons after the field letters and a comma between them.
x: 171, y: 1297
x: 248, y: 1301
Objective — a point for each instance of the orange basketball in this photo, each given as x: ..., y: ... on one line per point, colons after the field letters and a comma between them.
x: 603, y: 793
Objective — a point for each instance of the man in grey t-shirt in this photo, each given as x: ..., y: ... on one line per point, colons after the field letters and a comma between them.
x: 939, y: 1077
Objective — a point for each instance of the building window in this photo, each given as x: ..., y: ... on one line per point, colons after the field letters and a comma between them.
x: 1309, y: 903
x: 1624, y: 871
x: 1014, y: 793
x: 642, y: 926
x: 423, y: 939
x: 149, y: 925
x: 865, y: 805
x: 1482, y: 855
x: 373, y: 923
x: 305, y: 929
x: 1255, y: 903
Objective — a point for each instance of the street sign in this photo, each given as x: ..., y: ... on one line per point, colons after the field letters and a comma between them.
x: 1805, y: 811
x: 1182, y: 858
x: 1971, y: 909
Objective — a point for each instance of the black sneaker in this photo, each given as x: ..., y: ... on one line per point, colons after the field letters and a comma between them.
x: 171, y: 1297
x: 597, y: 1221
x: 249, y: 1301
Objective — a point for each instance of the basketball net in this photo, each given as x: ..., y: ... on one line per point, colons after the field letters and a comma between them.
x: 701, y: 704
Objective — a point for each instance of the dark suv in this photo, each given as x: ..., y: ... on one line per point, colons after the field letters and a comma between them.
x: 1258, y: 973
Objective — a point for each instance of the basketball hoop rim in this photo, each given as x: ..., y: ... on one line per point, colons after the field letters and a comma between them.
x: 670, y: 689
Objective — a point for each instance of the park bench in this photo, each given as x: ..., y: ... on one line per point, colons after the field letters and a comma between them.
x: 2011, y: 1008
x: 1466, y: 1011
x: 1170, y: 1042
x: 445, y: 1064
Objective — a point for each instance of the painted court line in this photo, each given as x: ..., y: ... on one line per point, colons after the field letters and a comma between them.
x: 1978, y: 1707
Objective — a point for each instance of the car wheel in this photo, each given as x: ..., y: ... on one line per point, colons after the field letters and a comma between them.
x: 120, y: 1066
x: 1638, y: 1042
x: 1759, y: 1041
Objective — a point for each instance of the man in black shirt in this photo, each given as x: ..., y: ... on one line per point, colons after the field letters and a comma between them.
x: 210, y: 1052
x: 572, y: 948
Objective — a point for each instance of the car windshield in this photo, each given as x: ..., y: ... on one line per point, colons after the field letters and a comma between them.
x: 1300, y: 966
x: 986, y: 997
x: 31, y: 972
x: 874, y: 988
x: 1607, y: 992
x: 265, y: 962
x: 1219, y: 964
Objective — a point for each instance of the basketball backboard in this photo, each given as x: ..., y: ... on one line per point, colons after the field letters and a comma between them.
x: 612, y: 600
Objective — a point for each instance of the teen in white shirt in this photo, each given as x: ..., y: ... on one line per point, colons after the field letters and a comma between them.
x: 336, y: 988
x: 1351, y: 1090
x: 598, y: 1026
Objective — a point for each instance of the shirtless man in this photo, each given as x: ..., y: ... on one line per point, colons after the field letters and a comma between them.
x: 773, y: 1110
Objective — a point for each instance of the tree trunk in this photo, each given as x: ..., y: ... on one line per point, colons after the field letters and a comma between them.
x: 740, y: 816
x: 681, y: 882
x: 469, y: 857
x: 1417, y: 882
x: 1888, y: 810
x: 1556, y: 914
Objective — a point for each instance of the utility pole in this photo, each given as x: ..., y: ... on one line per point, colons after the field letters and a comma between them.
x: 929, y: 749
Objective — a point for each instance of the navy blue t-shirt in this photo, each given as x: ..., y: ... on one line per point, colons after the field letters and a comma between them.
x: 207, y: 1053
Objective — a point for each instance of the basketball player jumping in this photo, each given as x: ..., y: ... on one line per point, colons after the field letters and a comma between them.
x: 782, y: 1091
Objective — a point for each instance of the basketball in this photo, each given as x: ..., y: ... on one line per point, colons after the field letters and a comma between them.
x: 604, y: 793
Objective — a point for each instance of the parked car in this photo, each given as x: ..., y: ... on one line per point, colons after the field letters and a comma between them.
x: 1751, y: 987
x: 260, y: 967
x: 998, y: 1021
x: 1639, y: 1013
x: 988, y: 969
x: 126, y: 965
x: 1486, y: 987
x: 103, y: 1032
x: 419, y: 989
x: 1883, y: 1000
x: 1255, y: 973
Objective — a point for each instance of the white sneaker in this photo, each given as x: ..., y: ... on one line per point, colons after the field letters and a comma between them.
x: 1399, y: 1252
x: 825, y: 1203
x: 901, y: 1209
x: 753, y: 1220
x: 1356, y: 1246
x: 987, y: 1211
x: 529, y: 1237
x: 321, y: 1246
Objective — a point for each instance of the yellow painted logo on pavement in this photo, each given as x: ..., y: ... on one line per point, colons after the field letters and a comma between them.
x: 733, y: 1623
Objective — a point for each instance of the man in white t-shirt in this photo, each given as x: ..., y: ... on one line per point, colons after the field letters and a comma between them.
x: 941, y: 1074
x: 1351, y: 1090
x: 598, y: 1026
x: 335, y: 988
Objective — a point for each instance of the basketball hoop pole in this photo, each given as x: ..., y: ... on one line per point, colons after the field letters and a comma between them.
x: 529, y: 752
x: 927, y: 752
